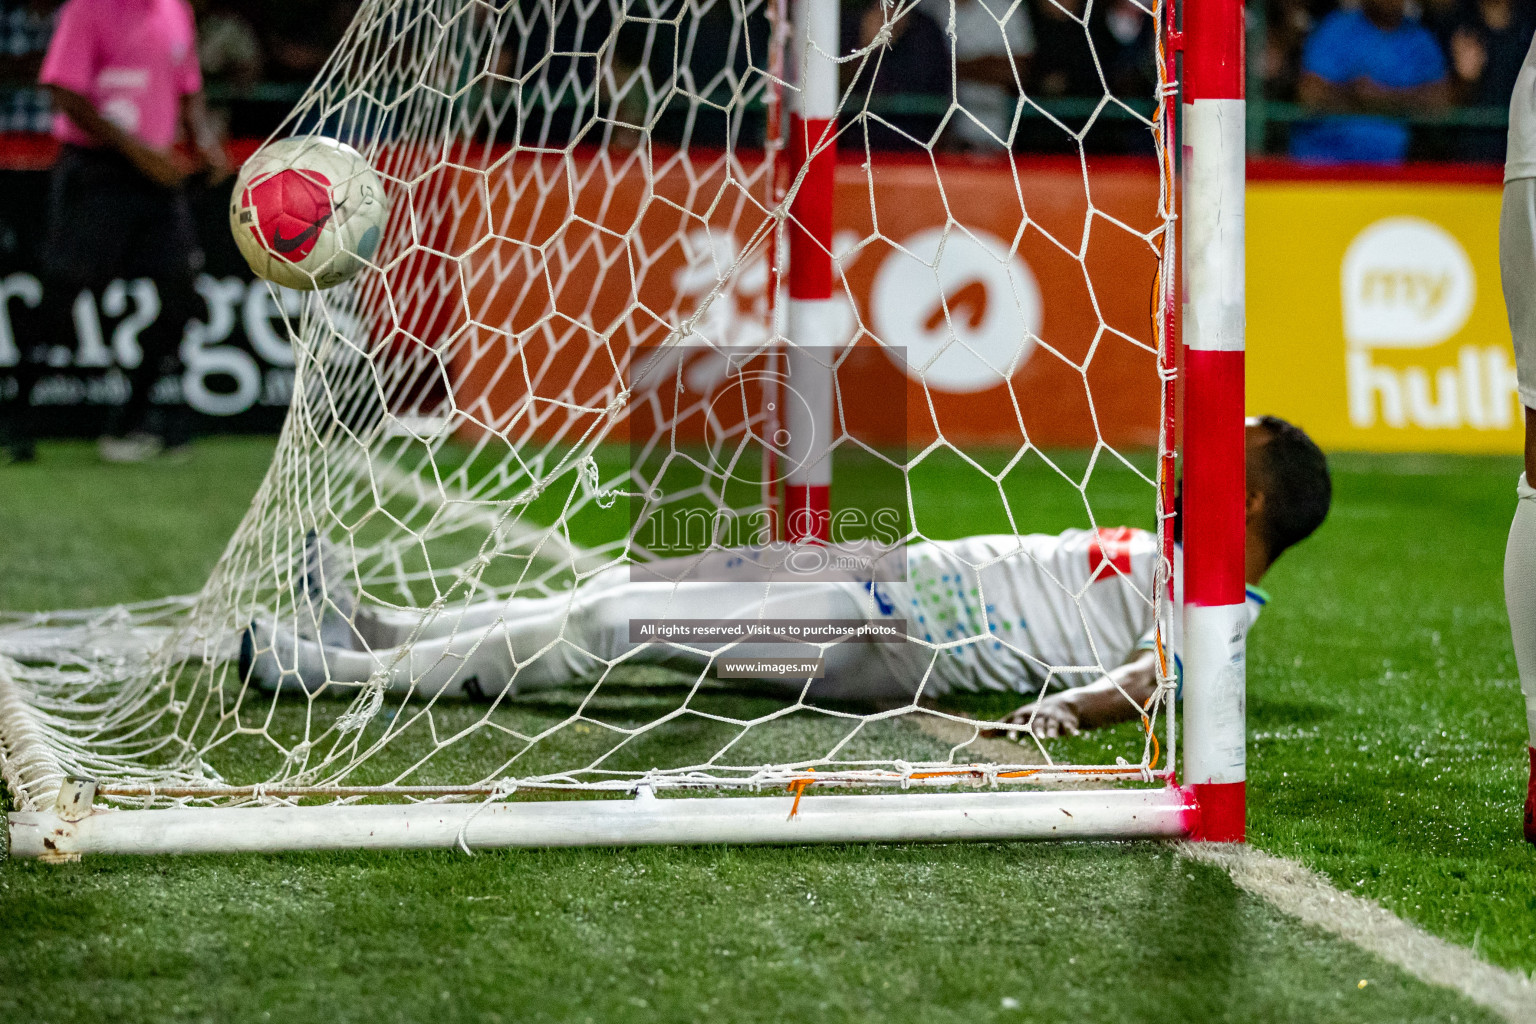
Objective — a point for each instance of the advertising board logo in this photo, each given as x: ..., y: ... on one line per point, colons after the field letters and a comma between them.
x: 1408, y: 283
x: 993, y: 303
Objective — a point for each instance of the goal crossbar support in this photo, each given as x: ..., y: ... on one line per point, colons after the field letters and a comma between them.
x: 1165, y: 813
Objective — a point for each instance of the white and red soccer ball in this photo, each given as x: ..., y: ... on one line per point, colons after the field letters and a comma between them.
x: 307, y: 212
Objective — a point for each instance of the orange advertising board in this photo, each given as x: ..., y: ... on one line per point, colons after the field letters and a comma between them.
x: 1009, y: 304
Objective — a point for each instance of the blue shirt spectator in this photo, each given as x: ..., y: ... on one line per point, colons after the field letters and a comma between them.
x: 1367, y: 65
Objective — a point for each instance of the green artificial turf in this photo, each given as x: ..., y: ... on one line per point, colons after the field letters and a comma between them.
x: 1387, y: 734
x: 1386, y: 751
x: 75, y: 533
x: 896, y: 933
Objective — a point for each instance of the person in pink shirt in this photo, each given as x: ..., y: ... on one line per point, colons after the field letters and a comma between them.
x: 124, y: 80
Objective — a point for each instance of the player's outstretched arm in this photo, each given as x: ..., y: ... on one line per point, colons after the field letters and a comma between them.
x: 1117, y: 697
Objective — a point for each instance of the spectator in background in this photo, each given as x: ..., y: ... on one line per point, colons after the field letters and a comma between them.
x: 124, y: 77
x: 1288, y: 23
x: 1062, y: 67
x: 299, y: 35
x: 228, y: 52
x: 25, y: 27
x: 993, y: 41
x: 1488, y: 42
x: 1369, y: 66
x: 227, y: 47
x: 710, y: 52
x: 1439, y: 16
x: 1125, y: 39
x: 1062, y: 64
x: 913, y: 64
x: 555, y: 45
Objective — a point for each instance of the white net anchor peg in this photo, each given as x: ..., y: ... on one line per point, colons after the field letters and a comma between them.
x: 77, y: 795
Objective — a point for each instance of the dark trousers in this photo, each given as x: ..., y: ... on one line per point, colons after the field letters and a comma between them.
x: 106, y: 221
x: 159, y: 341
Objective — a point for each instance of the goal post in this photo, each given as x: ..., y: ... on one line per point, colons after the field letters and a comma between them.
x: 610, y: 280
x: 641, y: 821
x: 811, y: 320
x: 1215, y: 495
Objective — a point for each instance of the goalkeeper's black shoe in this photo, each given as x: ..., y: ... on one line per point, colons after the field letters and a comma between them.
x: 272, y: 658
x: 247, y: 660
x: 323, y: 586
x: 20, y: 445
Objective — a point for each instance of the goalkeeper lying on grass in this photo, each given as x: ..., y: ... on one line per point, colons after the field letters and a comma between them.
x: 1069, y: 615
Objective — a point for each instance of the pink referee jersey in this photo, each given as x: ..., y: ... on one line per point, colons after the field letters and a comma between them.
x: 133, y: 59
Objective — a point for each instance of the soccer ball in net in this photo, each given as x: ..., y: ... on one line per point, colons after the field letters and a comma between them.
x: 307, y: 212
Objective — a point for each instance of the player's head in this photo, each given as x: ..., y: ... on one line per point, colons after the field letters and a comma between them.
x: 1385, y: 13
x: 1289, y: 489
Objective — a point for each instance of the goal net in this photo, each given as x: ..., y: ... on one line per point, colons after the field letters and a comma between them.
x: 693, y: 336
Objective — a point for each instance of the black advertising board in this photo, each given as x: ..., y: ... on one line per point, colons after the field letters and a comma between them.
x: 237, y: 364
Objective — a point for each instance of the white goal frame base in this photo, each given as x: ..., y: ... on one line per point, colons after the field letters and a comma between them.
x: 44, y: 752
x: 645, y: 820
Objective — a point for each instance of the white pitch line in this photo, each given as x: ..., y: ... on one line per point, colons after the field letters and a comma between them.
x: 1302, y: 893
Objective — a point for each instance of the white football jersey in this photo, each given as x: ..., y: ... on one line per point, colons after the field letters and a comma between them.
x: 1010, y: 613
x: 1520, y: 154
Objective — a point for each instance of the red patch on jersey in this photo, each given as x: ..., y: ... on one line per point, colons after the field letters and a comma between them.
x: 1109, y: 553
x: 292, y: 208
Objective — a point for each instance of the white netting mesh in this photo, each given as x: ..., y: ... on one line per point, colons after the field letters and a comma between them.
x: 491, y: 426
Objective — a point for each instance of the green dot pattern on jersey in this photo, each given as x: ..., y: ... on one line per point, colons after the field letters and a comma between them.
x: 947, y: 610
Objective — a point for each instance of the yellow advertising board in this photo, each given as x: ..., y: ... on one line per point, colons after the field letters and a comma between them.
x: 1375, y: 317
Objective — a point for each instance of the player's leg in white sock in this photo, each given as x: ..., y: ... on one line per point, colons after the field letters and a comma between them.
x: 525, y: 644
x: 1520, y: 594
x: 1517, y: 271
x: 1520, y: 599
x: 539, y: 643
x: 380, y: 627
x: 502, y: 647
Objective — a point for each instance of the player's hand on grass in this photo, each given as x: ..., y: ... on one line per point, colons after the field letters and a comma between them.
x: 1119, y: 696
x: 1046, y: 719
